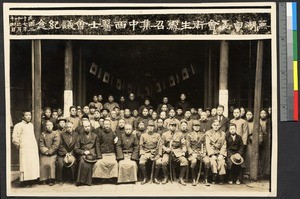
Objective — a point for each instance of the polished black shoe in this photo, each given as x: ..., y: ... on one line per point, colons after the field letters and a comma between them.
x: 144, y: 181
x: 164, y: 181
x: 181, y: 181
x: 194, y: 182
x: 51, y: 183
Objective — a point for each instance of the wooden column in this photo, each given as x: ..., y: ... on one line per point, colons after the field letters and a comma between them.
x: 206, y: 79
x: 210, y: 81
x: 68, y: 92
x: 257, y: 106
x: 83, y: 76
x: 223, y: 82
x: 36, y: 86
x: 79, y: 78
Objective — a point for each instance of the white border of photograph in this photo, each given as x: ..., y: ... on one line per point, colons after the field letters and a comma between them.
x: 160, y: 9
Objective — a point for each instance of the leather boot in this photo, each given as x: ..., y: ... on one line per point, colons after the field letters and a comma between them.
x: 144, y: 173
x: 193, y: 176
x: 182, y: 173
x: 206, y: 176
x: 156, y: 172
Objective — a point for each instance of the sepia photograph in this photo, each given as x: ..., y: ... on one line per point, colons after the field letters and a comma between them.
x: 141, y: 99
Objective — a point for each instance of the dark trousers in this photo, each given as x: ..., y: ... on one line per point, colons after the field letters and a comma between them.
x: 235, y: 172
x: 64, y: 173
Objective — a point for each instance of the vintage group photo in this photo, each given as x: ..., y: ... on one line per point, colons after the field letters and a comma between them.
x: 141, y: 101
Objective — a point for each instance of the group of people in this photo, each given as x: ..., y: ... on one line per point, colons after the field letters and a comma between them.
x: 127, y: 142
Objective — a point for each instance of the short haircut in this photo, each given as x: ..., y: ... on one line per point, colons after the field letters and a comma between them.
x: 221, y: 106
x: 215, y: 121
x: 49, y: 121
x: 47, y: 108
x: 128, y: 125
x: 25, y: 111
x: 71, y: 107
x: 232, y: 124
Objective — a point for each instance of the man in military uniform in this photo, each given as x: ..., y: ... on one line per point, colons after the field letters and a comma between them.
x: 149, y: 148
x: 173, y: 151
x: 197, y: 151
x: 216, y: 150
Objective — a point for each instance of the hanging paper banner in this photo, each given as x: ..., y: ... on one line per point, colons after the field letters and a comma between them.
x: 106, y: 77
x: 171, y: 81
x: 185, y: 74
x: 119, y: 84
x: 94, y: 68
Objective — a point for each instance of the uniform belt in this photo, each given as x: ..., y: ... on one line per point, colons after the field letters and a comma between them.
x: 127, y: 151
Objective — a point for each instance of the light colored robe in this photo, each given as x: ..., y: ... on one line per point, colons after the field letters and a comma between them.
x: 23, y: 137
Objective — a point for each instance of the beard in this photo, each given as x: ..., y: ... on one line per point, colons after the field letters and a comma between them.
x: 250, y: 120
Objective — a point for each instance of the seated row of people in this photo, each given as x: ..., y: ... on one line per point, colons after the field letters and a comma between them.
x: 103, y: 154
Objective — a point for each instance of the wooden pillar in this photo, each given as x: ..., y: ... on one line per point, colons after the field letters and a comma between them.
x: 206, y: 80
x: 68, y: 92
x: 257, y: 106
x: 79, y: 78
x: 210, y: 81
x: 36, y: 86
x: 223, y: 82
x: 83, y: 76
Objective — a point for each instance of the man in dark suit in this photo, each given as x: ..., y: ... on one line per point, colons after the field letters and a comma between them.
x: 223, y: 121
x: 87, y: 144
x: 235, y: 150
x: 68, y: 139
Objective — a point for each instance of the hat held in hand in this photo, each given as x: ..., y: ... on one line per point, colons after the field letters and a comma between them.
x: 90, y: 158
x: 69, y: 160
x: 237, y: 159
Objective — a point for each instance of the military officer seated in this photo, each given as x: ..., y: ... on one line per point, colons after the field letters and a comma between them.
x: 173, y: 152
x: 149, y: 146
x: 197, y: 151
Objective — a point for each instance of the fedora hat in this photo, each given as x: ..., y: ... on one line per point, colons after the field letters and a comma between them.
x: 237, y: 159
x: 69, y: 160
x: 90, y: 158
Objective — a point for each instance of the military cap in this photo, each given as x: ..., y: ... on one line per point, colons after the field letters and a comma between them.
x: 183, y: 121
x: 61, y: 119
x: 150, y: 123
x: 172, y: 122
x: 196, y: 123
